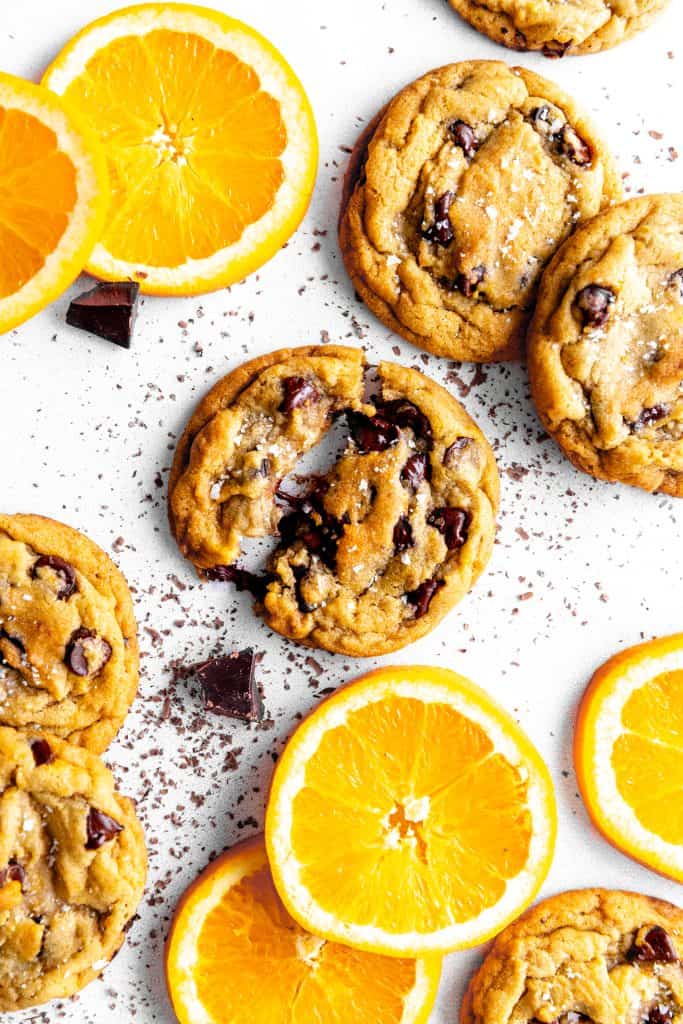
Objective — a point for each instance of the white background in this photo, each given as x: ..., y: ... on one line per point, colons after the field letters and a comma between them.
x: 87, y: 430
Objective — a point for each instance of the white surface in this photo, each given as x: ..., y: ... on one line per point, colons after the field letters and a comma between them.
x: 86, y: 428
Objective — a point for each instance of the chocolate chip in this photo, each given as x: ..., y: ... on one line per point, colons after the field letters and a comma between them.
x: 372, y: 433
x: 42, y: 752
x: 86, y: 653
x: 441, y: 230
x: 256, y: 585
x: 297, y: 392
x: 546, y: 122
x: 403, y: 535
x: 107, y: 310
x: 407, y: 415
x: 553, y: 51
x: 463, y: 136
x: 100, y: 829
x: 453, y: 523
x: 64, y: 572
x: 593, y: 303
x: 468, y: 282
x: 12, y: 873
x: 422, y: 596
x: 649, y: 416
x: 659, y: 1015
x: 452, y: 453
x: 571, y: 1017
x: 655, y: 947
x: 14, y: 641
x: 416, y: 469
x: 573, y: 146
x: 677, y: 279
x: 229, y: 686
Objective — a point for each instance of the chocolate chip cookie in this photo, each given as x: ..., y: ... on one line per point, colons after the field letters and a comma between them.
x: 72, y: 868
x: 606, y: 345
x: 457, y: 197
x: 556, y: 27
x: 372, y: 554
x: 595, y: 956
x: 68, y: 647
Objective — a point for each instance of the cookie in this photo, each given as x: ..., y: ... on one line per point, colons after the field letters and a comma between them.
x: 68, y: 647
x: 556, y: 27
x: 371, y: 555
x: 594, y: 956
x: 606, y: 345
x: 72, y: 868
x: 457, y: 197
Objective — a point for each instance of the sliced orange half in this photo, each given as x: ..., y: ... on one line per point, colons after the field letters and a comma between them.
x: 628, y: 751
x: 235, y: 956
x: 409, y: 814
x: 53, y: 198
x: 210, y: 138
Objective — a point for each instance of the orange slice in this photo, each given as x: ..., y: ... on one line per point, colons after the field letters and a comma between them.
x: 235, y: 956
x: 53, y: 198
x: 409, y: 814
x: 210, y: 138
x: 628, y: 750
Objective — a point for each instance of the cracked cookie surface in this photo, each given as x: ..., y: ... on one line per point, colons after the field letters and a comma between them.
x: 374, y: 552
x: 606, y: 345
x: 559, y: 27
x: 593, y: 956
x: 456, y: 197
x: 72, y: 868
x: 68, y: 646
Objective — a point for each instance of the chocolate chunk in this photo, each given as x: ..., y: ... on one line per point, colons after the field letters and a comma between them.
x: 546, y: 123
x: 297, y: 392
x: 422, y: 596
x: 649, y: 416
x: 467, y: 283
x: 677, y: 279
x: 14, y: 641
x: 553, y: 51
x: 107, y: 310
x: 416, y: 469
x: 242, y: 578
x: 453, y: 523
x: 453, y: 452
x: 407, y: 415
x: 12, y: 873
x: 64, y: 572
x: 441, y: 231
x: 86, y: 653
x: 372, y: 433
x: 659, y: 1014
x: 593, y: 303
x: 571, y: 145
x: 42, y: 752
x: 571, y: 1017
x: 463, y: 136
x: 403, y: 535
x: 229, y: 686
x: 655, y: 947
x: 100, y: 829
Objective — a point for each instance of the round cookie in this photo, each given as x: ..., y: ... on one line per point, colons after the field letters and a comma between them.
x: 594, y: 956
x: 557, y: 27
x: 605, y: 347
x: 377, y: 550
x: 72, y: 868
x: 68, y: 646
x: 457, y: 196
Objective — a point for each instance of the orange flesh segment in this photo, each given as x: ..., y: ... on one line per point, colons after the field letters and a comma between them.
x: 648, y: 758
x: 249, y: 937
x: 37, y: 194
x: 447, y: 823
x: 197, y: 153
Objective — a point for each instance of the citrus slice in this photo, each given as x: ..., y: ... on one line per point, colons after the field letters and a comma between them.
x: 235, y: 956
x: 628, y: 751
x: 409, y: 814
x: 53, y: 198
x: 210, y: 138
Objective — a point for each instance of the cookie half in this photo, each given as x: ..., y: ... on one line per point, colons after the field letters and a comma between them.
x: 606, y: 345
x: 371, y: 555
x: 556, y: 27
x: 457, y: 197
x: 583, y: 957
x: 68, y: 646
x: 72, y: 868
